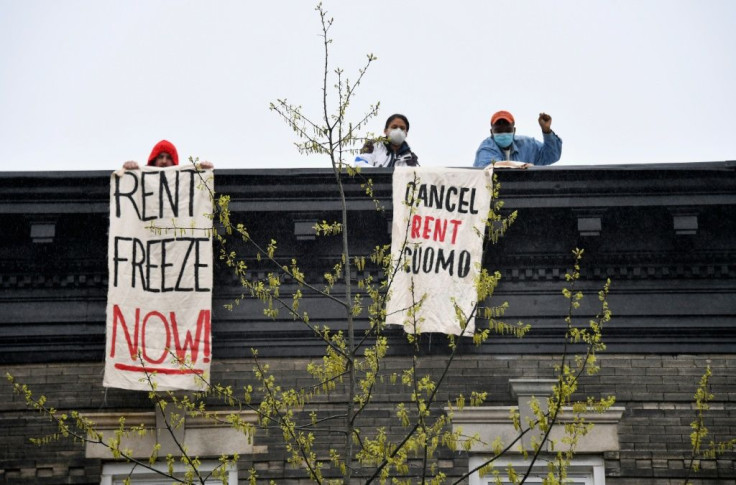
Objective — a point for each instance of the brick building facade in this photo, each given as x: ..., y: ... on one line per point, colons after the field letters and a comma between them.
x: 665, y: 235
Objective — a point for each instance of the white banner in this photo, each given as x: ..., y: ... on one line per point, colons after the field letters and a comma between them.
x: 437, y: 245
x: 160, y: 279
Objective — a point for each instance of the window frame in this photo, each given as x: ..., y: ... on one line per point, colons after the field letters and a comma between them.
x: 590, y: 470
x: 119, y: 471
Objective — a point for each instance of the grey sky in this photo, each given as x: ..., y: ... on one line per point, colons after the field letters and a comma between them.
x: 86, y: 85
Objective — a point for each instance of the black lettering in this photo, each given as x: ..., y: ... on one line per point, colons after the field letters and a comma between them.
x: 435, y: 196
x: 117, y: 257
x: 145, y: 195
x: 463, y: 266
x: 197, y: 265
x: 164, y: 289
x: 150, y: 265
x: 444, y: 264
x: 463, y: 204
x: 129, y: 195
x: 428, y: 261
x: 422, y: 194
x: 191, y: 192
x: 433, y: 260
x: 173, y: 202
x: 473, y: 210
x: 416, y: 260
x: 410, y: 190
x: 184, y: 265
x: 449, y: 205
x: 159, y: 264
x: 452, y: 199
x: 138, y: 263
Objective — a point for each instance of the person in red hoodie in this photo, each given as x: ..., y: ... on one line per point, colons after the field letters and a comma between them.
x: 164, y: 154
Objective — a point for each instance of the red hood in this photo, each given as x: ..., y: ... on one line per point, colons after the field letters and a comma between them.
x: 164, y: 146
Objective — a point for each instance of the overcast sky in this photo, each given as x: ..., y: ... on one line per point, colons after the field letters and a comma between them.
x: 86, y: 85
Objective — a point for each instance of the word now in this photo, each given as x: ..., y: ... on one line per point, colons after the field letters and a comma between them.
x: 154, y: 195
x: 152, y: 267
x: 147, y: 337
x: 451, y: 199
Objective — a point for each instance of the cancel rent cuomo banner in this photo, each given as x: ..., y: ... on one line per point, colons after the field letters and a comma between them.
x: 160, y: 279
x: 437, y: 247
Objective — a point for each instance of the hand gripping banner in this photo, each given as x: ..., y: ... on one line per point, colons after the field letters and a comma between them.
x: 160, y: 279
x: 437, y: 248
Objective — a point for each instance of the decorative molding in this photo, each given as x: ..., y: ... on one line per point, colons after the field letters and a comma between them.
x: 113, y: 473
x: 589, y: 221
x: 514, y: 267
x: 304, y: 229
x: 202, y: 436
x: 488, y: 422
x: 525, y: 388
x: 527, y: 391
x: 684, y: 220
x: 43, y: 231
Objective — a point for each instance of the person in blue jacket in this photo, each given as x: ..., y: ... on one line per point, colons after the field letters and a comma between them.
x: 505, y: 145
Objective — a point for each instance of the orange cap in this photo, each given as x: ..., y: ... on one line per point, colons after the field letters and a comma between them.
x: 502, y: 115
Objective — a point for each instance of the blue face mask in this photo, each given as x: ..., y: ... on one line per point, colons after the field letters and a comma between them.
x: 504, y: 140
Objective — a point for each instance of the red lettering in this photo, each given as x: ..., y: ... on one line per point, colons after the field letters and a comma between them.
x: 440, y: 229
x: 158, y: 370
x: 117, y: 316
x: 416, y: 225
x: 165, y: 349
x: 202, y: 330
x: 427, y: 221
x: 438, y: 232
x: 455, y: 224
x: 195, y: 342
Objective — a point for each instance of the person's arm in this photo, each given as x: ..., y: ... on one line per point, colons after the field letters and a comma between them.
x: 409, y: 159
x: 367, y: 147
x: 413, y: 160
x: 550, y: 151
x: 366, y: 157
x: 487, y: 152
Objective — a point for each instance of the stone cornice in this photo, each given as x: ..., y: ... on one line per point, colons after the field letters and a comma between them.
x: 201, y: 436
x: 492, y: 421
x: 712, y: 183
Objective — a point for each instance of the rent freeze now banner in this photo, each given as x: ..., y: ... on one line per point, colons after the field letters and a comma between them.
x: 160, y: 279
x: 437, y: 245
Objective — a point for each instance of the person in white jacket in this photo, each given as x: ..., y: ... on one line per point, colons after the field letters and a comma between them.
x: 391, y: 150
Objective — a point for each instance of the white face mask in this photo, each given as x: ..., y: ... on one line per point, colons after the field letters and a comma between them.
x: 396, y: 136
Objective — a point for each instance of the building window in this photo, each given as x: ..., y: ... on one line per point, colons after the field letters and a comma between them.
x: 116, y: 473
x: 582, y: 470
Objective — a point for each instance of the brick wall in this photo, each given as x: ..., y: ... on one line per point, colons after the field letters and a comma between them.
x: 654, y: 434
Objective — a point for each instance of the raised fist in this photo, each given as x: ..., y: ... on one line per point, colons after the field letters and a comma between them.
x: 545, y: 122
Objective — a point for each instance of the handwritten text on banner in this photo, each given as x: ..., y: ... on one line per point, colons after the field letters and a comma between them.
x: 160, y: 279
x: 438, y: 224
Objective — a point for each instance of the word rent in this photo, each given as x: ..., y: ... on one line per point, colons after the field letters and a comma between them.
x: 155, y: 195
